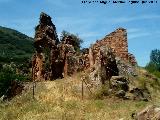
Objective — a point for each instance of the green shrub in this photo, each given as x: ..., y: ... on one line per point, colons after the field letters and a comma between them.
x: 157, y: 73
x: 7, y: 75
x: 154, y: 65
x: 151, y: 67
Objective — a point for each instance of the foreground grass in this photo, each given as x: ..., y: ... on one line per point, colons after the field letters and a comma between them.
x: 108, y: 109
x: 61, y: 100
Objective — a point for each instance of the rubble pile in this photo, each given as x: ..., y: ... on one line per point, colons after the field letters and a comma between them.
x: 140, y: 94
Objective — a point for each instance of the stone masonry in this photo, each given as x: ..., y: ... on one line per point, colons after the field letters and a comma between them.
x: 117, y: 40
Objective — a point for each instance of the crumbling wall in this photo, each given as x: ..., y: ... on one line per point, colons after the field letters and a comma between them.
x: 132, y: 59
x: 104, y: 67
x: 39, y: 65
x: 67, y: 55
x: 117, y: 40
x: 54, y: 59
x: 109, y: 57
x: 45, y: 43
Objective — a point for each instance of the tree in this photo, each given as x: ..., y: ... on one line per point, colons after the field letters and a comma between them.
x: 151, y: 67
x: 155, y: 58
x: 77, y: 40
x: 154, y: 65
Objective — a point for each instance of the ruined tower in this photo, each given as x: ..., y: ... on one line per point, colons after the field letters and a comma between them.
x: 45, y: 43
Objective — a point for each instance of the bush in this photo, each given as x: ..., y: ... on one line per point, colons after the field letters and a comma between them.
x: 157, y: 73
x: 7, y: 75
x: 151, y: 67
x: 77, y: 40
x: 154, y: 65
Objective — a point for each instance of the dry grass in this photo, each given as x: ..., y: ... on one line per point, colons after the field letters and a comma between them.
x: 61, y: 100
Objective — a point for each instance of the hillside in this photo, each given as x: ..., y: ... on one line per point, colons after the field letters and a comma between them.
x: 62, y: 100
x: 14, y: 46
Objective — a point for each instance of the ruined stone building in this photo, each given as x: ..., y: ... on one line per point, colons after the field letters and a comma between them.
x: 57, y: 59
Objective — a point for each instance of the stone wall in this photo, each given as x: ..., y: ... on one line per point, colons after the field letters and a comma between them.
x: 117, y: 40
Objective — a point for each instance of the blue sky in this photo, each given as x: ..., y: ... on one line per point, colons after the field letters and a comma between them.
x: 89, y: 21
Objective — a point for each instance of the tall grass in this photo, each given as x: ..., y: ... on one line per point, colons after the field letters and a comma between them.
x: 62, y: 100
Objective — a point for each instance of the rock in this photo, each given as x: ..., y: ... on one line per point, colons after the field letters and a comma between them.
x: 121, y: 119
x: 140, y: 94
x: 151, y: 112
x: 126, y: 98
x: 120, y: 86
x: 120, y: 93
x: 119, y: 83
x: 157, y: 116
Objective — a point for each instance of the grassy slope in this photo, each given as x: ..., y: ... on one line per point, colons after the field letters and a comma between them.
x: 14, y: 46
x: 61, y: 100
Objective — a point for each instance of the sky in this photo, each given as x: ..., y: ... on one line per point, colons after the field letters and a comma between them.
x: 91, y: 21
